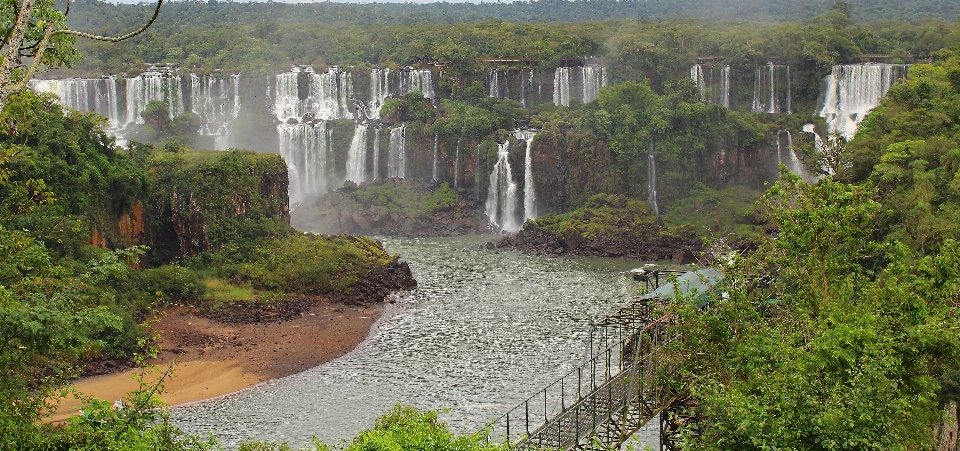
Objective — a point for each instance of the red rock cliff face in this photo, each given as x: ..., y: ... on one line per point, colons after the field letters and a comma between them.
x: 129, y: 229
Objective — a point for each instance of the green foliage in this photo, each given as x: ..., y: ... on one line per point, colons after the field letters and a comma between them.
x: 612, y: 217
x: 907, y: 149
x: 208, y: 200
x: 844, y: 349
x: 304, y: 263
x: 159, y: 128
x: 718, y: 212
x: 67, y: 158
x: 397, y: 197
x: 401, y: 429
x: 412, y: 106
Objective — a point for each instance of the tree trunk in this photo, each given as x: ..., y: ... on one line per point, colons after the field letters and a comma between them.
x: 12, y: 59
x: 945, y: 433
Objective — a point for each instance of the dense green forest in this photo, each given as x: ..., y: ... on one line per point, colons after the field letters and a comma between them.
x: 657, y: 50
x: 852, y: 343
x: 102, y: 15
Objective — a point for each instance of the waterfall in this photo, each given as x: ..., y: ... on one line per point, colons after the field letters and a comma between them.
x: 456, y: 167
x: 417, y: 80
x: 331, y: 94
x: 100, y: 95
x: 696, y: 74
x: 561, y: 86
x: 526, y: 83
x: 652, y: 181
x: 357, y: 155
x: 851, y: 91
x: 217, y: 102
x: 303, y: 92
x: 501, y: 206
x: 713, y: 84
x: 305, y: 148
x: 121, y: 100
x: 819, y: 144
x: 397, y: 158
x: 589, y: 78
x: 379, y: 91
x: 771, y: 89
x: 788, y: 157
x: 376, y: 153
x: 529, y: 190
x: 436, y: 157
x: 497, y: 83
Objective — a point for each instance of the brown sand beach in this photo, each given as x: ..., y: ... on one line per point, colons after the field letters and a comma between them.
x: 217, y: 356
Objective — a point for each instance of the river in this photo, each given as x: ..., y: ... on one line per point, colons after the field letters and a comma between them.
x: 483, y: 331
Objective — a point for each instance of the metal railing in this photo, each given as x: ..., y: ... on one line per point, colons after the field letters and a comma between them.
x: 613, y: 392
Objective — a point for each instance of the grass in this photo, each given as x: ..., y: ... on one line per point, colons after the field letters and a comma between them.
x: 221, y: 291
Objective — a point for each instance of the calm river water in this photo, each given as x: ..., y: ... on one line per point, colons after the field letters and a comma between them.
x: 482, y: 332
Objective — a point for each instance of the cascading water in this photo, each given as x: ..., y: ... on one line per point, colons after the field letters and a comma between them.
x: 379, y: 91
x: 501, y: 206
x: 397, y: 157
x: 589, y: 79
x: 652, y: 180
x: 788, y: 157
x: 376, y: 153
x: 529, y: 190
x: 217, y: 102
x: 594, y: 78
x: 851, y: 91
x: 526, y: 84
x: 497, y: 83
x: 121, y: 100
x: 819, y: 145
x: 456, y: 167
x: 713, y: 83
x: 304, y: 101
x: 561, y: 86
x: 771, y: 89
x: 417, y: 80
x: 357, y: 155
x: 105, y: 96
x: 305, y: 148
x: 303, y: 92
x: 436, y: 157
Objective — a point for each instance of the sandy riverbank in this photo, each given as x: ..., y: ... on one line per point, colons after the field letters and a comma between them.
x: 214, y: 358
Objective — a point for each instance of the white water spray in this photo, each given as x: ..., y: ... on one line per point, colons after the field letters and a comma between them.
x: 397, y: 156
x: 357, y: 155
x: 501, y: 206
x: 851, y: 91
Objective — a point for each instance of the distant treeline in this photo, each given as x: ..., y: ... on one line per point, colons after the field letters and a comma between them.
x: 100, y: 15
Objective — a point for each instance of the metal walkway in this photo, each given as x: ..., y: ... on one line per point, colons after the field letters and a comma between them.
x: 615, y: 391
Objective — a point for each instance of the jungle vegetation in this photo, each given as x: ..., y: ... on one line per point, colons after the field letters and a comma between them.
x: 853, y: 345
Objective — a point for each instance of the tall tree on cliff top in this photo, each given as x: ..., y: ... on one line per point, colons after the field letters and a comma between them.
x: 35, y: 30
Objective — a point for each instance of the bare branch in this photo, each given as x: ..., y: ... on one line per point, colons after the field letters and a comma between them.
x: 156, y: 12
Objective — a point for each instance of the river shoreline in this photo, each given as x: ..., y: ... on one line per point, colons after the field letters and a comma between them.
x: 213, y: 358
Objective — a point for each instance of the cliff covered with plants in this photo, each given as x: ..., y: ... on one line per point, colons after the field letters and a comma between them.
x: 93, y: 239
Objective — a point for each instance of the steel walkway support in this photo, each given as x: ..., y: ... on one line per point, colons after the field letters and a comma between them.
x: 617, y: 389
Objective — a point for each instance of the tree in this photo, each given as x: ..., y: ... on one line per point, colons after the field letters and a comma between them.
x: 36, y: 30
x: 847, y: 348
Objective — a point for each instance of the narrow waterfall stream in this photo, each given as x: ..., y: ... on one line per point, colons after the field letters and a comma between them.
x: 483, y: 331
x: 501, y: 205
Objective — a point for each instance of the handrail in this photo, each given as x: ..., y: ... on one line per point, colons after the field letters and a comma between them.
x: 600, y: 370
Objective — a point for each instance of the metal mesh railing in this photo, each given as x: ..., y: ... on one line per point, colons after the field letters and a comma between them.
x: 614, y: 382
